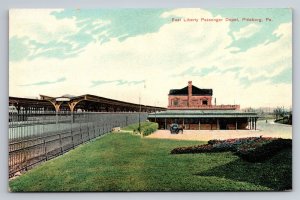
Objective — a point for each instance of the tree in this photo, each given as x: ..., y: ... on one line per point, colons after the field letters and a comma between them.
x: 279, y: 113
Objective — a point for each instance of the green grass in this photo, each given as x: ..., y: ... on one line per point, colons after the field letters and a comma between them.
x: 147, y: 128
x: 136, y: 126
x: 126, y: 162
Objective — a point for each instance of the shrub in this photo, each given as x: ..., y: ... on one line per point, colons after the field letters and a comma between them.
x: 252, y: 149
x: 147, y: 130
x: 262, y: 151
x: 206, y: 148
x: 212, y: 142
x: 220, y: 147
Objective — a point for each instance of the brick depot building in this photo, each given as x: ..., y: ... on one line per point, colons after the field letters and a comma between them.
x: 192, y: 108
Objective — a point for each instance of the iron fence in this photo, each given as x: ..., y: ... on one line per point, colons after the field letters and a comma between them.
x: 39, y: 136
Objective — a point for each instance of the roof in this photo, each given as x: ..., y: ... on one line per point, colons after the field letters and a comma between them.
x: 195, y: 91
x: 202, y: 114
x: 45, y: 101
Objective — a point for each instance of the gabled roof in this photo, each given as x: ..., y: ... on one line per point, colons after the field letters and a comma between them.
x: 195, y: 91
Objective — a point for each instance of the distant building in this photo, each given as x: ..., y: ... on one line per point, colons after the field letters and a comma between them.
x: 192, y: 108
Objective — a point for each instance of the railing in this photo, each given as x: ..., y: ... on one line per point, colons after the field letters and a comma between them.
x: 38, y: 137
x: 206, y: 107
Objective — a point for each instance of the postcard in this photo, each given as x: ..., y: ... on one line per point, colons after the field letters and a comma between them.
x: 150, y: 100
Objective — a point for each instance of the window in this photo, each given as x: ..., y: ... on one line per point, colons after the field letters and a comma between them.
x: 175, y: 102
x: 204, y: 102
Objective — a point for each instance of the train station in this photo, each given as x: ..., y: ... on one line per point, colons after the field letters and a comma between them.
x: 192, y: 108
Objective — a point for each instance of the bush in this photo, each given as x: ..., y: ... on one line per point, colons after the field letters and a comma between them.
x: 206, y: 148
x: 212, y: 142
x: 252, y: 149
x: 147, y: 130
x: 262, y: 151
x: 220, y: 145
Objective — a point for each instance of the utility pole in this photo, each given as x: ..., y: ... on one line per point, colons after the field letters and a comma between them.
x: 140, y: 107
x: 155, y: 110
x: 140, y: 110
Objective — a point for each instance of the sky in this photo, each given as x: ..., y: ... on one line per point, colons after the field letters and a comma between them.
x: 244, y: 55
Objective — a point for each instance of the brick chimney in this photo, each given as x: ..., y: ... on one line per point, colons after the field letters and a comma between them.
x: 189, y: 93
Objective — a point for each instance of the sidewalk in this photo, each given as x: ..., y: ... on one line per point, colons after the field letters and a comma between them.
x: 205, y: 135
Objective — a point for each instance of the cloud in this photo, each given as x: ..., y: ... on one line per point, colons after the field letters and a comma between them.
x: 264, y: 34
x: 18, y: 48
x: 100, y: 82
x: 167, y: 57
x: 40, y: 34
x: 65, y: 33
x: 246, y: 82
x: 268, y: 59
x: 41, y: 83
x: 193, y: 71
x: 285, y: 76
x: 116, y: 82
x: 247, y: 31
x: 39, y: 24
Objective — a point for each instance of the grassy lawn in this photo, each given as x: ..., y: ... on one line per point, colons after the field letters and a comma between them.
x: 136, y: 126
x: 126, y: 162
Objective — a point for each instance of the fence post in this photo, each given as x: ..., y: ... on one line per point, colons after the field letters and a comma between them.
x: 25, y: 158
x: 45, y: 150
x: 60, y: 143
x: 72, y: 138
x: 72, y: 119
x: 88, y: 131
x: 81, y: 138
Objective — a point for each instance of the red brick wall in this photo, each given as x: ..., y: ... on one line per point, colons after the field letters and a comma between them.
x: 190, y: 93
x: 195, y: 102
x: 186, y: 101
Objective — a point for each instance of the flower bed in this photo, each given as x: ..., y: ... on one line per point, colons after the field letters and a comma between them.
x: 205, y: 148
x: 260, y: 152
x: 252, y: 149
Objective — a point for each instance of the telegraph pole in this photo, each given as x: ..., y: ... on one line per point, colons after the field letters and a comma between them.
x: 140, y: 107
x: 140, y: 110
x: 155, y: 110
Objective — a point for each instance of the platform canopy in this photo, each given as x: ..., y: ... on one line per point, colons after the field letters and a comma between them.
x: 202, y: 114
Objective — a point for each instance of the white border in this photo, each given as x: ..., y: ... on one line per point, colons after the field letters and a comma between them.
x: 5, y: 5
